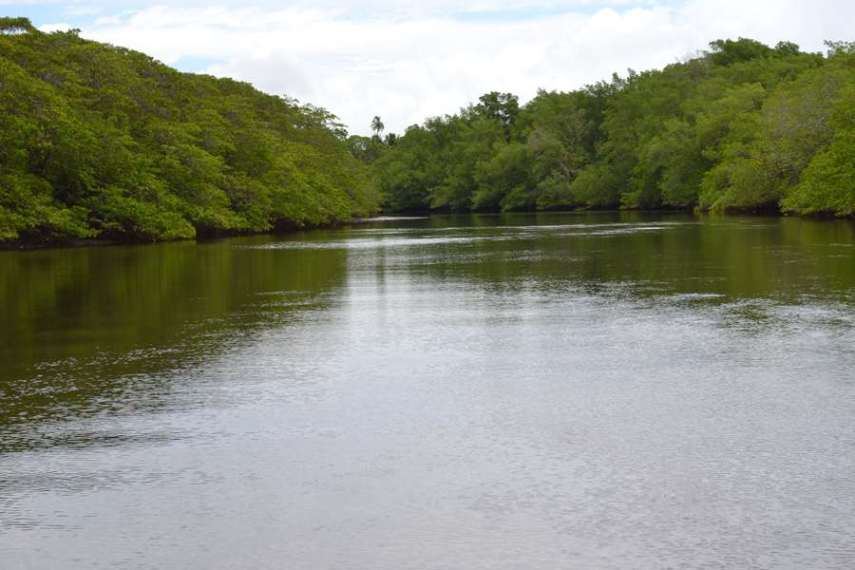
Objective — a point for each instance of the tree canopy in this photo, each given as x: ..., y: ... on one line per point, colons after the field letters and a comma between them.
x: 743, y: 126
x: 98, y: 141
x: 101, y: 141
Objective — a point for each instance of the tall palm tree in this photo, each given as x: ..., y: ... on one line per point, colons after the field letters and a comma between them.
x: 377, y: 126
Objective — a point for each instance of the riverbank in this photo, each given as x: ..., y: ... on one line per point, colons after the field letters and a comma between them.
x: 291, y: 228
x: 280, y: 229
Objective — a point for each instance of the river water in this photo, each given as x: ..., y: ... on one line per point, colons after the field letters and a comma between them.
x: 478, y: 392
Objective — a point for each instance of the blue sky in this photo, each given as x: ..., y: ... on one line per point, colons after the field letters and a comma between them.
x: 407, y: 59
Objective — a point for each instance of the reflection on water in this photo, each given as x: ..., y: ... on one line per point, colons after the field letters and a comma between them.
x: 82, y: 326
x: 521, y: 391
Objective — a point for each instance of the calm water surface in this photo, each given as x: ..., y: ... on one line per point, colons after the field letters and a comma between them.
x: 495, y: 392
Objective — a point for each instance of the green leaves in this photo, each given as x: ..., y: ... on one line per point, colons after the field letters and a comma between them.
x: 743, y: 127
x: 99, y: 141
x: 827, y: 185
x: 102, y: 141
x: 28, y: 211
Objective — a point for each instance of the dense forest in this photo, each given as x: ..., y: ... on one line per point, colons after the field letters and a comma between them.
x: 98, y: 141
x: 741, y: 127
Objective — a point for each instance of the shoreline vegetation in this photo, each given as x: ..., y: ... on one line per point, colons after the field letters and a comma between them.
x: 101, y: 143
x: 743, y: 127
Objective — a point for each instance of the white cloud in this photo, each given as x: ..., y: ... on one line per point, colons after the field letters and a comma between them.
x: 409, y: 60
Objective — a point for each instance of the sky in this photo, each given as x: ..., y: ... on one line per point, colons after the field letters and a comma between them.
x: 409, y: 60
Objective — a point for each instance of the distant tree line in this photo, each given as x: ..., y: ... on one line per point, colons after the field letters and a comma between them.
x: 742, y: 127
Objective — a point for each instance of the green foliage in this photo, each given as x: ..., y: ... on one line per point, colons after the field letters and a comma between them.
x: 100, y: 141
x: 827, y: 185
x: 840, y: 48
x: 727, y: 52
x: 12, y: 26
x: 503, y: 180
x: 744, y: 126
x: 27, y: 209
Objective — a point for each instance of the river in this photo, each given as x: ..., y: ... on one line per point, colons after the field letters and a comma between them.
x: 615, y: 390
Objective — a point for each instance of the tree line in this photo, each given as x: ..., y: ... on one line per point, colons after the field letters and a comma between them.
x: 98, y: 141
x: 741, y: 127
